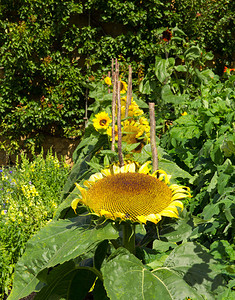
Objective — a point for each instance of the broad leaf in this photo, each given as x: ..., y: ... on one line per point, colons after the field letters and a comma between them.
x: 196, y: 266
x: 56, y: 243
x: 125, y: 277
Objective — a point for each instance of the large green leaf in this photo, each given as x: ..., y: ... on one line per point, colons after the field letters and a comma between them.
x: 196, y: 266
x: 56, y: 243
x: 125, y: 277
x: 164, y: 68
x: 169, y: 97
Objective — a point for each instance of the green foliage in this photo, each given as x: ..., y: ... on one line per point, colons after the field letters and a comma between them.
x: 191, y: 258
x: 29, y: 196
x: 48, y: 58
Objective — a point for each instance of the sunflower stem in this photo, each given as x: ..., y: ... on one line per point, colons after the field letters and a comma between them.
x: 128, y: 240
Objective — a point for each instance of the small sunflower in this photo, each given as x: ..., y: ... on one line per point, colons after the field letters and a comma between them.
x: 109, y: 132
x: 166, y: 35
x: 101, y: 121
x: 131, y: 132
x: 108, y: 80
x: 131, y: 193
x: 123, y: 88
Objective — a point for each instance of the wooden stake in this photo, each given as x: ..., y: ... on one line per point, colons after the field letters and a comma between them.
x: 129, y: 91
x: 114, y: 79
x: 120, y: 155
x: 153, y: 135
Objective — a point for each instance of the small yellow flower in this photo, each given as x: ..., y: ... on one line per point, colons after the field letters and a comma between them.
x: 184, y: 113
x: 108, y: 81
x: 101, y: 121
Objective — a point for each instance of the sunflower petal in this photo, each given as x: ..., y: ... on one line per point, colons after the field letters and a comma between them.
x: 106, y: 172
x: 144, y: 168
x: 105, y: 213
x: 74, y: 204
x: 154, y: 218
x: 142, y: 219
x: 119, y: 215
x: 169, y: 213
x: 82, y: 190
x: 179, y: 196
x: 116, y: 169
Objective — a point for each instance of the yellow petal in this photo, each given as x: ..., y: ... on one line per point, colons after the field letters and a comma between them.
x: 82, y: 190
x: 169, y: 213
x: 179, y: 196
x: 144, y: 168
x: 128, y: 168
x: 106, y: 172
x: 142, y: 219
x: 177, y: 203
x: 116, y: 169
x: 74, y: 204
x: 105, y: 213
x: 154, y: 218
x: 119, y: 215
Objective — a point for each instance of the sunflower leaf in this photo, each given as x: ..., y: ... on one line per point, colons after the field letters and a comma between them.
x: 58, y: 242
x: 125, y: 277
x: 196, y: 266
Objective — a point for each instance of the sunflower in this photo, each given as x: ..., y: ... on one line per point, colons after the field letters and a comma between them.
x: 108, y: 81
x: 131, y: 131
x: 131, y: 193
x: 123, y: 88
x: 101, y: 121
x: 109, y: 132
x: 166, y: 35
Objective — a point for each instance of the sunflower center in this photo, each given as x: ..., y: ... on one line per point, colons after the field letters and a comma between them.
x: 103, y: 122
x: 134, y: 194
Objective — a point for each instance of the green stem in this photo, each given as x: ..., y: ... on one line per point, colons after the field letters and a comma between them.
x: 128, y: 241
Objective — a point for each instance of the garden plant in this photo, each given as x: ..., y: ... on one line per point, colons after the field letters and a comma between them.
x: 129, y: 228
x: 147, y: 210
x: 29, y: 196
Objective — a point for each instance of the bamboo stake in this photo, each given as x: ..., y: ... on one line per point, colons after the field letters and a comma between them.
x: 153, y: 135
x: 129, y: 91
x: 120, y: 155
x: 114, y: 79
x: 109, y: 77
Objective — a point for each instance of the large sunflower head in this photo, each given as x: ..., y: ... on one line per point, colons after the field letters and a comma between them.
x: 131, y: 193
x: 101, y: 121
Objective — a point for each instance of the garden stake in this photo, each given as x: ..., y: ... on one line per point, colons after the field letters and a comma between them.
x: 153, y: 136
x: 129, y: 91
x: 120, y: 155
x: 114, y: 79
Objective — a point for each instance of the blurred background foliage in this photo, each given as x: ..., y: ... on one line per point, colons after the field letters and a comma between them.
x: 51, y: 51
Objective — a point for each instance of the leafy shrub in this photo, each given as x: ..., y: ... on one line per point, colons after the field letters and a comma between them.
x: 48, y: 57
x: 29, y: 196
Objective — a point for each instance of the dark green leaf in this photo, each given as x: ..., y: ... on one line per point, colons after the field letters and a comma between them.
x: 56, y: 243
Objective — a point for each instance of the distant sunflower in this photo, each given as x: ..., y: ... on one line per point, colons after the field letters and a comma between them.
x: 123, y: 88
x: 166, y: 35
x: 101, y: 121
x: 131, y: 132
x: 131, y: 193
x: 109, y: 132
x: 108, y: 80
